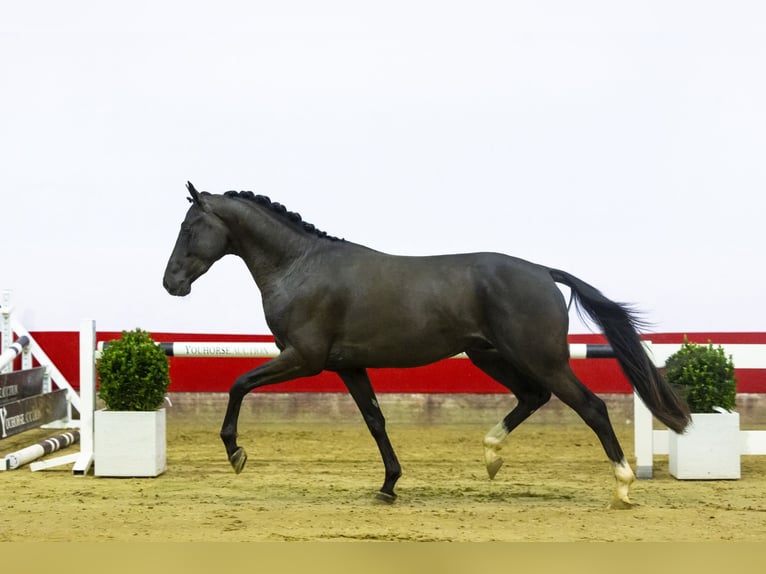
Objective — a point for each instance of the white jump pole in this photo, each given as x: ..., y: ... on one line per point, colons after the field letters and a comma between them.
x: 87, y: 396
x: 217, y: 349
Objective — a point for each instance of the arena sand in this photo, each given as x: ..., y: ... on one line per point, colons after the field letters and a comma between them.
x: 313, y: 478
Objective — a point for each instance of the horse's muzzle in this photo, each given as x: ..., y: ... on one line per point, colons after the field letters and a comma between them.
x: 177, y: 288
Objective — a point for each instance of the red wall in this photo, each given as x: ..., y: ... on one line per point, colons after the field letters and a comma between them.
x: 448, y: 376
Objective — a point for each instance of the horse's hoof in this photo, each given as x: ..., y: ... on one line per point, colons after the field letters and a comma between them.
x: 619, y: 504
x: 493, y: 466
x: 385, y: 498
x: 238, y: 460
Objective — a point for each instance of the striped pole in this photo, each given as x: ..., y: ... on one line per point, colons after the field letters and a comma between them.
x: 25, y: 455
x: 13, y: 351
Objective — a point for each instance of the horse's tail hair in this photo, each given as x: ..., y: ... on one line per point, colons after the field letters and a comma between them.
x: 620, y: 325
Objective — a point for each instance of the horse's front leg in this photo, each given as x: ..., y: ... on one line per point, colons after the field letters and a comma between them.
x: 288, y: 365
x: 358, y: 384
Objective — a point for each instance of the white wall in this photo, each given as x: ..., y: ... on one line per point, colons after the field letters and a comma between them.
x: 623, y: 142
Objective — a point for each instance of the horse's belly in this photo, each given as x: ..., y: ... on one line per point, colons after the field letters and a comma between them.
x: 375, y: 359
x: 398, y: 351
x: 406, y: 331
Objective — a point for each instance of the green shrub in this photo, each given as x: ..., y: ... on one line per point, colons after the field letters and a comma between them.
x: 704, y: 376
x: 133, y: 373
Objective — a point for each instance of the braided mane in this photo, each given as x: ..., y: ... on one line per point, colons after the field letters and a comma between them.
x: 281, y: 210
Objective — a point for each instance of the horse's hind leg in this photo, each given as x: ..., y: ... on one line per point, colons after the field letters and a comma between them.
x: 532, y: 393
x: 567, y: 387
x: 358, y: 384
x: 530, y: 397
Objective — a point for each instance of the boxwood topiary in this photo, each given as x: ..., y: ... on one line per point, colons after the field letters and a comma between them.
x: 704, y: 376
x: 133, y: 373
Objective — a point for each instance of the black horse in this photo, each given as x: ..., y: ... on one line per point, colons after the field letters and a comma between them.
x: 338, y: 306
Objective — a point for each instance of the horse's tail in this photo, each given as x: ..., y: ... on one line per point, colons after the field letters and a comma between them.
x: 620, y: 326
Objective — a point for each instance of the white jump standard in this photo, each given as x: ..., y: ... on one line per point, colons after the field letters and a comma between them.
x: 27, y: 397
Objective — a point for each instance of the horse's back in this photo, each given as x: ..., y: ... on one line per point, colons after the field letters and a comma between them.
x: 460, y: 285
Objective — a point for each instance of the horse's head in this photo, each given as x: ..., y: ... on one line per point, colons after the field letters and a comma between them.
x: 202, y: 241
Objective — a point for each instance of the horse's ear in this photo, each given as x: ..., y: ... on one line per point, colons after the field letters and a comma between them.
x: 194, y: 193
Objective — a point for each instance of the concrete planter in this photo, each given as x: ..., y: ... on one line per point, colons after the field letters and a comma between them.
x: 130, y: 443
x: 710, y: 448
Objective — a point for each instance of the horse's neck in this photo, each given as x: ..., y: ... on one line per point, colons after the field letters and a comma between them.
x: 267, y: 245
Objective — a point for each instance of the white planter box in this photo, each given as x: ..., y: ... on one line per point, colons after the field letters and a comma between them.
x: 129, y: 443
x: 710, y: 448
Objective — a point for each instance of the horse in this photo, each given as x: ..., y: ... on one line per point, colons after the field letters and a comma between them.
x: 342, y: 307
